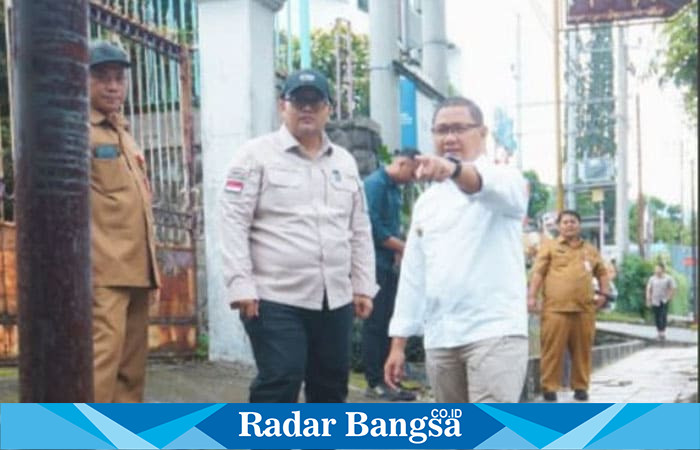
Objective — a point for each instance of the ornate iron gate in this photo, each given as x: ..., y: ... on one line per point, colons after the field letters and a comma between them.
x: 159, y: 36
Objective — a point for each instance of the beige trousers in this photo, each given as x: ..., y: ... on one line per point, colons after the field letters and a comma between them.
x: 487, y: 371
x: 120, y: 335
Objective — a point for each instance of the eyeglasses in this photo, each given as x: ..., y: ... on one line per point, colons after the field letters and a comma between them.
x: 455, y: 128
x: 300, y: 101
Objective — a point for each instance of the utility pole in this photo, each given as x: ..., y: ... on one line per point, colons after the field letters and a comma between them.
x: 640, y: 196
x: 557, y: 108
x: 621, y: 212
x: 53, y: 212
x: 571, y: 109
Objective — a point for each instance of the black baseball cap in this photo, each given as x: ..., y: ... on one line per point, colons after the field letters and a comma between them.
x: 307, y: 78
x: 105, y: 52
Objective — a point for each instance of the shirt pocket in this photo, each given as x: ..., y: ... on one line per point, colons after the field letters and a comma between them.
x: 342, y: 188
x: 108, y: 175
x: 283, y: 186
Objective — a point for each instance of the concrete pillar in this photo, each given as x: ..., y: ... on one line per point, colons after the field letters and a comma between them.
x: 435, y: 43
x: 383, y: 81
x: 621, y: 192
x: 236, y: 43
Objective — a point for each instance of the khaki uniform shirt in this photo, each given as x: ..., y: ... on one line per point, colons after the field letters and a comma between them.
x: 123, y: 244
x: 568, y: 272
x: 293, y: 228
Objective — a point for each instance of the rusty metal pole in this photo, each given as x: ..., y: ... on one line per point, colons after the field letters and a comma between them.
x: 50, y: 56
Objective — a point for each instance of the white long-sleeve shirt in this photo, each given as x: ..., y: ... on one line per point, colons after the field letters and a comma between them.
x: 463, y: 271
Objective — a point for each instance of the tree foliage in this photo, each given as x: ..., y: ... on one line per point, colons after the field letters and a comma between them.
x: 667, y: 222
x: 539, y: 195
x: 631, y: 284
x: 323, y: 58
x: 679, y: 64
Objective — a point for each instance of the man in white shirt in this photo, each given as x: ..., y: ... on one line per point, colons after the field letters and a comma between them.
x: 462, y: 281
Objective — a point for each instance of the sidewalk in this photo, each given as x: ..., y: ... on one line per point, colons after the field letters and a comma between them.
x: 674, y: 335
x: 652, y: 375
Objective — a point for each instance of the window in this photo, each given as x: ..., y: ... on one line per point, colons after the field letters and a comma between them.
x: 363, y: 5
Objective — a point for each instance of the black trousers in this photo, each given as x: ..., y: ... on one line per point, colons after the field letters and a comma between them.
x: 375, y: 337
x: 292, y: 345
x: 660, y: 315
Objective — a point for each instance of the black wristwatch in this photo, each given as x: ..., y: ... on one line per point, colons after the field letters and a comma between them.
x: 458, y: 167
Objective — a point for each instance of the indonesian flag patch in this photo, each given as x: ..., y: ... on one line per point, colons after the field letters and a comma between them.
x: 234, y: 185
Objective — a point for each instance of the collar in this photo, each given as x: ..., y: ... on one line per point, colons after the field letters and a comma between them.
x: 116, y: 119
x: 290, y: 143
x: 385, y: 176
x: 562, y: 241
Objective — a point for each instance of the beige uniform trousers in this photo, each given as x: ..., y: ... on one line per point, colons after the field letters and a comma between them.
x: 560, y: 330
x: 488, y: 371
x: 120, y: 333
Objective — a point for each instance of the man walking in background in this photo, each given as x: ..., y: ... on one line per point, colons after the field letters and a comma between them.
x: 384, y: 201
x: 659, y: 292
x: 124, y: 271
x: 566, y: 266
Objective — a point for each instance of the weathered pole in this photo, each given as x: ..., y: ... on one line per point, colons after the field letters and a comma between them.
x: 50, y: 55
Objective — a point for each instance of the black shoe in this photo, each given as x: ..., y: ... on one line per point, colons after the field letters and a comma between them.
x: 384, y: 392
x: 549, y: 396
x: 580, y: 394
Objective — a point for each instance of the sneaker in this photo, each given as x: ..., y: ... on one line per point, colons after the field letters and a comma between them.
x: 580, y: 394
x: 384, y: 392
x: 549, y: 396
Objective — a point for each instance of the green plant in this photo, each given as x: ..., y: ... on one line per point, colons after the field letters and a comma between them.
x: 202, y: 350
x: 631, y: 284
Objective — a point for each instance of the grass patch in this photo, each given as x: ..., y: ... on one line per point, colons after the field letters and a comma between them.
x: 617, y: 316
x: 8, y: 372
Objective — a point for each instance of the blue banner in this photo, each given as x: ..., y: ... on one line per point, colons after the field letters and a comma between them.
x: 379, y: 426
x: 409, y: 126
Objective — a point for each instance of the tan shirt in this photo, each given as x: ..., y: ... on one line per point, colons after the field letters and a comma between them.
x: 568, y: 271
x: 123, y: 244
x: 294, y: 227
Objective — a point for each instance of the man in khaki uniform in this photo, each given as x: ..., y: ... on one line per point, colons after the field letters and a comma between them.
x: 566, y: 265
x: 297, y: 249
x: 124, y: 270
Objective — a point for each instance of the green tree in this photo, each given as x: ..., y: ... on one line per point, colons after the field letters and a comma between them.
x: 323, y: 58
x: 540, y: 194
x: 667, y: 222
x: 679, y: 63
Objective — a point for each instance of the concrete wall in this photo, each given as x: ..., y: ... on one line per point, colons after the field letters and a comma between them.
x: 238, y: 102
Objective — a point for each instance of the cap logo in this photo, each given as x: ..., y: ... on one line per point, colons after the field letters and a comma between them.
x: 307, y: 77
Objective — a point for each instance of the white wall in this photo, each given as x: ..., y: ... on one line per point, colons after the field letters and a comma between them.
x: 238, y: 102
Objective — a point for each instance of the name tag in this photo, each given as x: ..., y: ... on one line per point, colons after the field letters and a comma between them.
x: 106, y: 152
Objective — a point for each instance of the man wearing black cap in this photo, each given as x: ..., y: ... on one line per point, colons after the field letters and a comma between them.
x: 296, y: 249
x: 124, y: 271
x: 384, y: 200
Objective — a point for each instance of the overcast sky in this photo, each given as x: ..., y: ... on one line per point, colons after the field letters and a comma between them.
x: 486, y: 33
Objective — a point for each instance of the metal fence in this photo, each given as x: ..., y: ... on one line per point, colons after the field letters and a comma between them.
x: 159, y: 36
